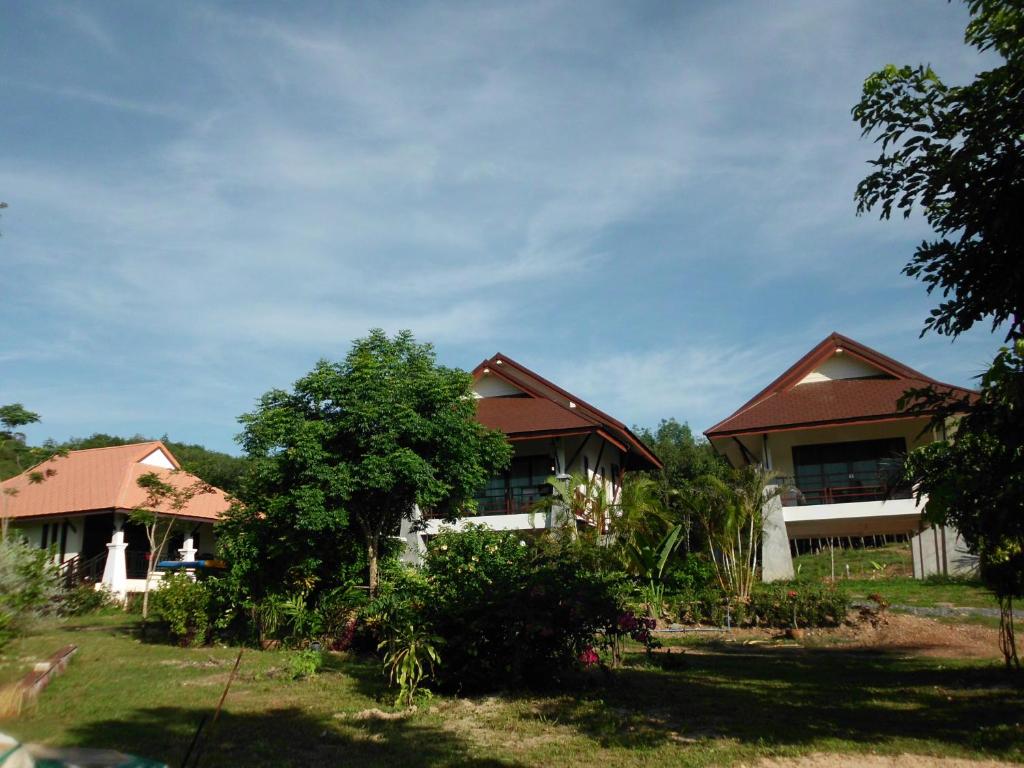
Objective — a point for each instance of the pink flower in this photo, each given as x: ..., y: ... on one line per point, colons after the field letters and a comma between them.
x: 589, y: 657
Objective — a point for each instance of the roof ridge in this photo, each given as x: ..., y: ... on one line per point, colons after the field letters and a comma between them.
x: 595, y: 414
x: 820, y: 352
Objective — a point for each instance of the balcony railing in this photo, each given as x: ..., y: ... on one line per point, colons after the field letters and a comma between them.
x: 518, y: 501
x: 840, y: 488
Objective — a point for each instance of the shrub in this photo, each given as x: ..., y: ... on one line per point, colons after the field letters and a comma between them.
x: 85, y: 599
x: 798, y: 605
x: 410, y: 659
x: 689, y: 574
x: 184, y: 606
x: 511, y: 613
x: 29, y: 585
x: 710, y: 606
x: 303, y: 664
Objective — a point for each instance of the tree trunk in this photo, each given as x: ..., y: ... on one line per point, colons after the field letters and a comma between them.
x: 372, y: 545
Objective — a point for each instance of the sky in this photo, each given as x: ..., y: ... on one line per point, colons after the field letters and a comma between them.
x: 649, y: 203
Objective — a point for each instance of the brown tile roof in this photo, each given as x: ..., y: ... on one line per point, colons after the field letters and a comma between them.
x: 785, y: 403
x: 638, y: 455
x: 101, y: 479
x: 523, y: 415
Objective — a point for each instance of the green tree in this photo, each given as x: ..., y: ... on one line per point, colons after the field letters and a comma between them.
x: 685, y: 459
x: 975, y: 482
x: 731, y: 512
x: 364, y: 442
x: 957, y: 153
x: 15, y: 456
x: 159, y: 514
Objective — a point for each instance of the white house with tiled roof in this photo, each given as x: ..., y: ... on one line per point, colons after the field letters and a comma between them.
x: 80, y: 511
x: 831, y: 427
x: 554, y: 433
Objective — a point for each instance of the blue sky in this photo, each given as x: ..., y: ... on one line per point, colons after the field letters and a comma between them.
x: 649, y: 203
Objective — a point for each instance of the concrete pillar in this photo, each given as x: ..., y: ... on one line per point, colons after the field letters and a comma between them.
x: 776, y: 560
x: 115, y: 571
x: 411, y: 533
x: 187, y: 553
x: 939, y: 550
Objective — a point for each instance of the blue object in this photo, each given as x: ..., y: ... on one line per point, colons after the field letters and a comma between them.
x: 193, y: 564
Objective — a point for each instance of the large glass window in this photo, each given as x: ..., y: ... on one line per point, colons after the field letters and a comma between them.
x: 834, y: 473
x: 518, y: 488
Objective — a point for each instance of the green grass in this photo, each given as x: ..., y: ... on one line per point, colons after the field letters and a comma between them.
x: 887, y: 571
x: 892, y: 560
x: 713, y: 705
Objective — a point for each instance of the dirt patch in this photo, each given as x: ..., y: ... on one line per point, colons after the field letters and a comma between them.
x: 920, y: 636
x: 373, y: 714
x: 828, y: 760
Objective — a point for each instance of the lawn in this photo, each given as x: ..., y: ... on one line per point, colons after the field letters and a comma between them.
x: 887, y: 571
x: 714, y: 704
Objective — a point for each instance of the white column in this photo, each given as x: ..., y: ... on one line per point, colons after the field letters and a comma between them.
x: 187, y: 553
x: 115, y: 571
x: 776, y: 560
x: 411, y: 532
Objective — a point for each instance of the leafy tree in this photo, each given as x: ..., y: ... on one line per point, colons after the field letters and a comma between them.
x: 158, y: 516
x: 731, y: 512
x: 362, y: 443
x: 976, y: 482
x: 17, y: 455
x: 957, y: 152
x: 685, y: 459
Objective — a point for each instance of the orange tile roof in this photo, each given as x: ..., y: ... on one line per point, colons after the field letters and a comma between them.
x: 101, y: 479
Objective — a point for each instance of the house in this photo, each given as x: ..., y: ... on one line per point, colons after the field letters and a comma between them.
x: 831, y: 427
x: 554, y: 434
x: 80, y: 512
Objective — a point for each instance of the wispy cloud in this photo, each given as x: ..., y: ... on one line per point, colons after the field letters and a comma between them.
x: 653, y: 202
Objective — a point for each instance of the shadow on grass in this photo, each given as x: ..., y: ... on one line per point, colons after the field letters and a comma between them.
x: 800, y: 698
x: 283, y: 737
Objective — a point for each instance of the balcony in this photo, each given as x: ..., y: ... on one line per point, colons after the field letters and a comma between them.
x: 840, y: 488
x: 512, y: 501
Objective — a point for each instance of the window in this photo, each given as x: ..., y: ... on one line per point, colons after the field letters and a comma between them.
x: 518, y: 488
x: 834, y: 473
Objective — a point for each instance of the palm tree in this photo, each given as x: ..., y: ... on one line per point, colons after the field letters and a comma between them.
x: 732, y: 513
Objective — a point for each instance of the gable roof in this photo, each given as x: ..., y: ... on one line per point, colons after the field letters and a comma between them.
x: 789, y: 402
x: 99, y: 479
x: 547, y: 409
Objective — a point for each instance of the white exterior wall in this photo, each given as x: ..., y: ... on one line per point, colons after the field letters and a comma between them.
x: 33, y: 533
x: 157, y: 459
x: 781, y: 444
x: 840, y: 366
x: 416, y: 533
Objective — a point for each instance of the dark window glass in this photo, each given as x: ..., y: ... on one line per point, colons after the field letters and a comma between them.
x: 518, y: 488
x: 840, y: 472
